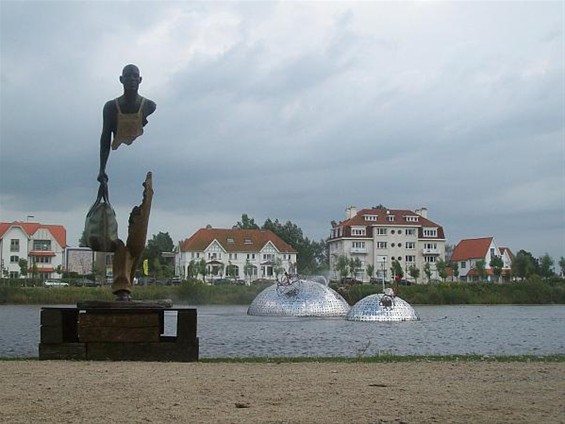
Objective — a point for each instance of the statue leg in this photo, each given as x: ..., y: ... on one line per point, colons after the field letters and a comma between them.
x: 128, y: 257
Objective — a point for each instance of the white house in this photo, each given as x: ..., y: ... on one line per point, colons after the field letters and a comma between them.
x: 42, y: 246
x: 249, y: 254
x: 377, y: 236
x: 469, y: 251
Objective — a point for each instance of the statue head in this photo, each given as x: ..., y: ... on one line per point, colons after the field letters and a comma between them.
x: 130, y: 78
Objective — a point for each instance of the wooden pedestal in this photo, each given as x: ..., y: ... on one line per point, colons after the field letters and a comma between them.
x: 118, y: 333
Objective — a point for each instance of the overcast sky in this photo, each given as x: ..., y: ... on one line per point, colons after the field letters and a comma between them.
x: 292, y: 111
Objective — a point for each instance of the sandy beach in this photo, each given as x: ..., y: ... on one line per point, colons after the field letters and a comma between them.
x: 414, y: 392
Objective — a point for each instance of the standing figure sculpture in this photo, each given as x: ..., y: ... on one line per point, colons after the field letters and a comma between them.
x: 124, y: 118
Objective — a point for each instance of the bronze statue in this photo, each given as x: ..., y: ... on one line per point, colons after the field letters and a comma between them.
x: 124, y: 118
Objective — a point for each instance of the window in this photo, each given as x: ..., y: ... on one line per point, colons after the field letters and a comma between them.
x: 251, y: 256
x: 462, y: 264
x: 410, y: 258
x: 230, y: 240
x: 358, y: 244
x: 410, y: 245
x: 411, y: 232
x: 268, y: 257
x: 42, y: 260
x: 194, y: 255
x: 392, y: 231
x: 430, y: 246
x: 370, y: 217
x: 390, y: 218
x: 430, y: 232
x: 357, y: 231
x: 42, y: 245
x: 233, y: 256
x: 399, y: 231
x: 381, y: 245
x: 247, y: 241
x: 14, y: 259
x: 381, y: 231
x: 429, y: 259
x: 14, y: 245
x: 411, y: 218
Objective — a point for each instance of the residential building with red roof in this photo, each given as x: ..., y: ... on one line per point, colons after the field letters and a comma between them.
x: 40, y: 244
x: 470, y: 251
x: 244, y: 254
x: 377, y: 236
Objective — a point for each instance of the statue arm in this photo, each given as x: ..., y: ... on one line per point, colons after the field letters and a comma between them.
x: 108, y: 118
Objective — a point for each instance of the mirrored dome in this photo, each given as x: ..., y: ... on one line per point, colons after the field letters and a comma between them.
x: 300, y: 298
x: 381, y: 307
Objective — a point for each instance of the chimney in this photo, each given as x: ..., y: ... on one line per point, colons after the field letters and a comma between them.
x: 423, y: 212
x: 350, y: 212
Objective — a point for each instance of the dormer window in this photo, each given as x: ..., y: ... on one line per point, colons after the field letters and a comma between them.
x: 231, y: 240
x: 390, y: 218
x: 411, y: 218
x: 370, y: 217
x: 247, y: 241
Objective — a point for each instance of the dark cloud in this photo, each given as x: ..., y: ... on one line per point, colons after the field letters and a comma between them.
x: 292, y: 111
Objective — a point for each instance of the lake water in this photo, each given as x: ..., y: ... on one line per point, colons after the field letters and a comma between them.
x: 227, y: 331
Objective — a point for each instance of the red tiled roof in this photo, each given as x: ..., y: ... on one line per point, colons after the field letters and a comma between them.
x: 234, y: 240
x: 58, y: 232
x: 400, y: 218
x: 471, y: 249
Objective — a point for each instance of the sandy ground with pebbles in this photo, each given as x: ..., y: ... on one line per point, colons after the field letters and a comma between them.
x: 414, y: 392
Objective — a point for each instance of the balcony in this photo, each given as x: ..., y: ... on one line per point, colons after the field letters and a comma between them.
x: 427, y: 251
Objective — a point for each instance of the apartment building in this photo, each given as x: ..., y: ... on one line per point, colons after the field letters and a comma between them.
x: 377, y: 236
x: 244, y: 254
x: 41, y: 245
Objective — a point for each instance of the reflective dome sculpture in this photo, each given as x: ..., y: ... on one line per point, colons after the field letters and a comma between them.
x: 295, y: 297
x: 383, y: 307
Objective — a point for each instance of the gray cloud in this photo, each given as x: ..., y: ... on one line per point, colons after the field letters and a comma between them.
x: 292, y: 111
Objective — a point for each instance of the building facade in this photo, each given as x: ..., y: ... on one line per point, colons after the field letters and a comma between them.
x: 242, y: 254
x: 42, y: 246
x: 470, y: 251
x: 377, y: 236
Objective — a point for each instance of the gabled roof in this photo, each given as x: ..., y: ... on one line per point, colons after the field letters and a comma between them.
x: 58, y: 232
x: 506, y: 250
x: 471, y: 249
x: 234, y: 240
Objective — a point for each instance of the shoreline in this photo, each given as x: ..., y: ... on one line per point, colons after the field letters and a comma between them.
x: 424, y: 391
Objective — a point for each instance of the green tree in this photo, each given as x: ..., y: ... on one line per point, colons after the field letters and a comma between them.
x: 441, y: 267
x: 496, y: 264
x: 455, y: 268
x: 562, y: 266
x: 480, y: 269
x: 414, y: 273
x: 202, y: 269
x: 546, y: 266
x: 524, y: 265
x: 311, y: 255
x: 342, y: 266
x: 428, y: 272
x: 153, y: 252
x: 354, y: 265
x: 246, y: 223
x: 23, y: 266
x: 396, y: 269
x: 370, y: 271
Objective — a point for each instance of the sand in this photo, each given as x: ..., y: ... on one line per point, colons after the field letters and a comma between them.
x: 415, y: 392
